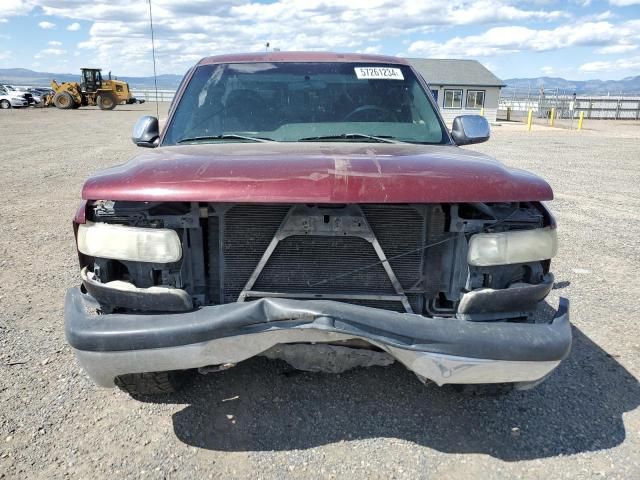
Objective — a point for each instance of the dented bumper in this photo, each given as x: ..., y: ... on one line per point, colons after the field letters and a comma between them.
x: 443, y: 350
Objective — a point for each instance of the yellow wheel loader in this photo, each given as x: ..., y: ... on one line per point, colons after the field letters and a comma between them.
x: 92, y: 90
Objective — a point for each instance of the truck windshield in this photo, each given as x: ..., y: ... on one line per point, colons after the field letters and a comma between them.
x: 292, y: 102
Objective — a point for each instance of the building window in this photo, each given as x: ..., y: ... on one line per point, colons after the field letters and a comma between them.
x: 452, y: 99
x: 475, y: 99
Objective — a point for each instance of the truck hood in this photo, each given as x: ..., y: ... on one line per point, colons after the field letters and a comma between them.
x: 315, y: 173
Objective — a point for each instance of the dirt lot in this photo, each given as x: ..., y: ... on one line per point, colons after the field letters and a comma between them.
x: 261, y: 420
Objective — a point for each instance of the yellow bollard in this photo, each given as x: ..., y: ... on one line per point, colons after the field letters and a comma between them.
x: 553, y: 115
x: 530, y: 119
x: 482, y: 112
x: 580, y: 120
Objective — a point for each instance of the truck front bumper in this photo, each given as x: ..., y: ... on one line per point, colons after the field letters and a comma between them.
x: 444, y: 350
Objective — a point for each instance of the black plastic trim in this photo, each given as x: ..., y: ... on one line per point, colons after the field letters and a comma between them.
x: 492, y: 304
x: 143, y: 299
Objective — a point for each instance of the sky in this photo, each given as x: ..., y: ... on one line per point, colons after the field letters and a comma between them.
x: 577, y: 39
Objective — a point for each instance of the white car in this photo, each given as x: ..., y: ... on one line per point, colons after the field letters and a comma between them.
x: 24, y: 91
x: 7, y: 101
x: 10, y: 97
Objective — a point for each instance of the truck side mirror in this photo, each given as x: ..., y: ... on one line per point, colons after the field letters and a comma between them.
x: 146, y: 132
x: 469, y: 129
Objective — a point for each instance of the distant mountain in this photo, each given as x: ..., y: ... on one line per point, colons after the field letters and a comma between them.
x: 23, y: 76
x: 600, y: 87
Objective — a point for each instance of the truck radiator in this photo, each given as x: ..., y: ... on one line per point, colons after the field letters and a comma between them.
x: 325, y: 252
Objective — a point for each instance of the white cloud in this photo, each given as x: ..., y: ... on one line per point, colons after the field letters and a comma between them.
x: 617, y: 49
x: 47, y: 25
x: 604, y: 15
x: 502, y: 40
x: 624, y: 64
x: 49, y: 52
x: 54, y: 43
x: 12, y: 8
x: 372, y: 49
x: 187, y: 30
x: 624, y: 3
x: 547, y: 70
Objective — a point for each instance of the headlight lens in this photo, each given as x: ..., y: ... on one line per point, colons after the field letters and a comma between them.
x: 486, y: 249
x: 119, y: 242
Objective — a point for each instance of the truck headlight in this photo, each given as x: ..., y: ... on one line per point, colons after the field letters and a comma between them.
x: 120, y: 242
x: 520, y: 246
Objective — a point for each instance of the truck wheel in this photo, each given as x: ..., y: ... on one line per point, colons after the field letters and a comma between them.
x: 483, y: 389
x: 5, y: 104
x: 75, y: 105
x: 106, y: 101
x: 63, y: 100
x: 152, y: 383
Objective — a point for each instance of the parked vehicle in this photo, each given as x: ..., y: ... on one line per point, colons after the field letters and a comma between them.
x: 37, y: 95
x: 10, y: 98
x: 20, y: 92
x: 91, y: 91
x: 43, y: 96
x: 41, y: 91
x: 7, y: 101
x: 313, y: 207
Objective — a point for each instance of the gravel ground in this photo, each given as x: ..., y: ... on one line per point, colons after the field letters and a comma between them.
x: 262, y: 420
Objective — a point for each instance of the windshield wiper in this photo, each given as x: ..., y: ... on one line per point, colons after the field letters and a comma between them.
x: 347, y: 136
x: 226, y: 136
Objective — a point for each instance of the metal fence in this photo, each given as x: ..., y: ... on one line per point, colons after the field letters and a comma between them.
x: 517, y: 102
x: 149, y: 95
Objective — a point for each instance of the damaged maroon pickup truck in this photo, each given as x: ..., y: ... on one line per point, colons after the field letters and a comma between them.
x: 313, y: 207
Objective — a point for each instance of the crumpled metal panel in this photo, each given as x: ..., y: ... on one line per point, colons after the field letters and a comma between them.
x: 327, y: 358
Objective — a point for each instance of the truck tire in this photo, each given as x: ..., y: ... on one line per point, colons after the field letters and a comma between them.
x: 106, y: 101
x: 5, y: 104
x: 63, y: 100
x: 152, y: 383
